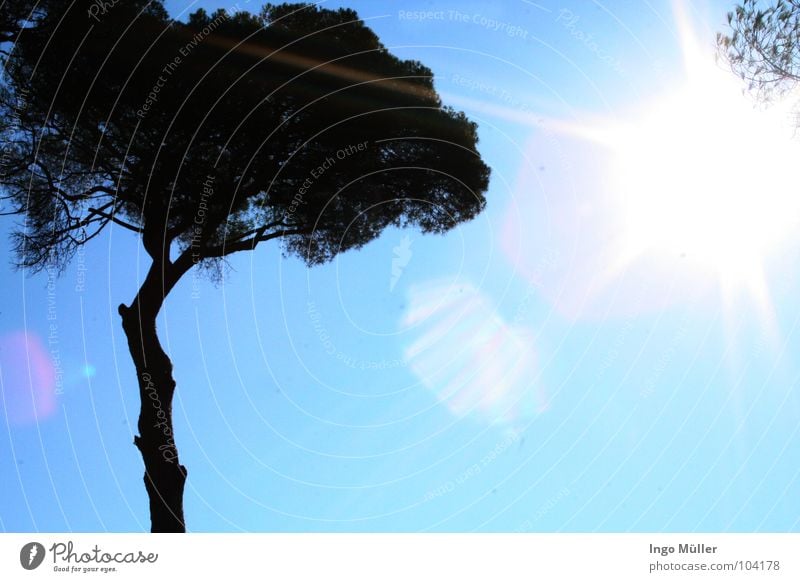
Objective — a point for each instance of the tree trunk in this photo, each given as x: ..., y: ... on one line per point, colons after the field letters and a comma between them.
x: 164, y: 476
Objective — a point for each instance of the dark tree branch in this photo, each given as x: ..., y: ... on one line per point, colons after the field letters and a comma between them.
x: 115, y: 220
x: 250, y: 243
x: 260, y: 230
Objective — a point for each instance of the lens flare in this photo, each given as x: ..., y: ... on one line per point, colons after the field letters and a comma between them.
x: 28, y: 378
x: 469, y: 357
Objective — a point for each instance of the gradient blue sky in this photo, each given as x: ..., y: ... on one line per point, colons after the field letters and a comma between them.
x: 501, y: 378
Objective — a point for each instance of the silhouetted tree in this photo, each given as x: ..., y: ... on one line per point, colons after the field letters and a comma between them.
x: 763, y: 46
x: 209, y: 137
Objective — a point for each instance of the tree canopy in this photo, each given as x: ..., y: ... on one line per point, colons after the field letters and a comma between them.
x: 15, y: 14
x: 225, y: 131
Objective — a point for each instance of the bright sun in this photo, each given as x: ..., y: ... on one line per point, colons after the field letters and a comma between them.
x: 703, y: 174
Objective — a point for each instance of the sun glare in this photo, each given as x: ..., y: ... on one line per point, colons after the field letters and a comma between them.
x: 704, y: 174
x: 707, y: 176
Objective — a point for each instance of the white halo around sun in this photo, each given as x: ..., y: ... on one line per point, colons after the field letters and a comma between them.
x: 703, y: 173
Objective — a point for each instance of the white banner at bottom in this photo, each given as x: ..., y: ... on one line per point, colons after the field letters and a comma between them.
x: 400, y: 557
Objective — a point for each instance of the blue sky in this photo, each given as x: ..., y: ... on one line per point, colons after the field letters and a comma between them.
x: 558, y: 364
